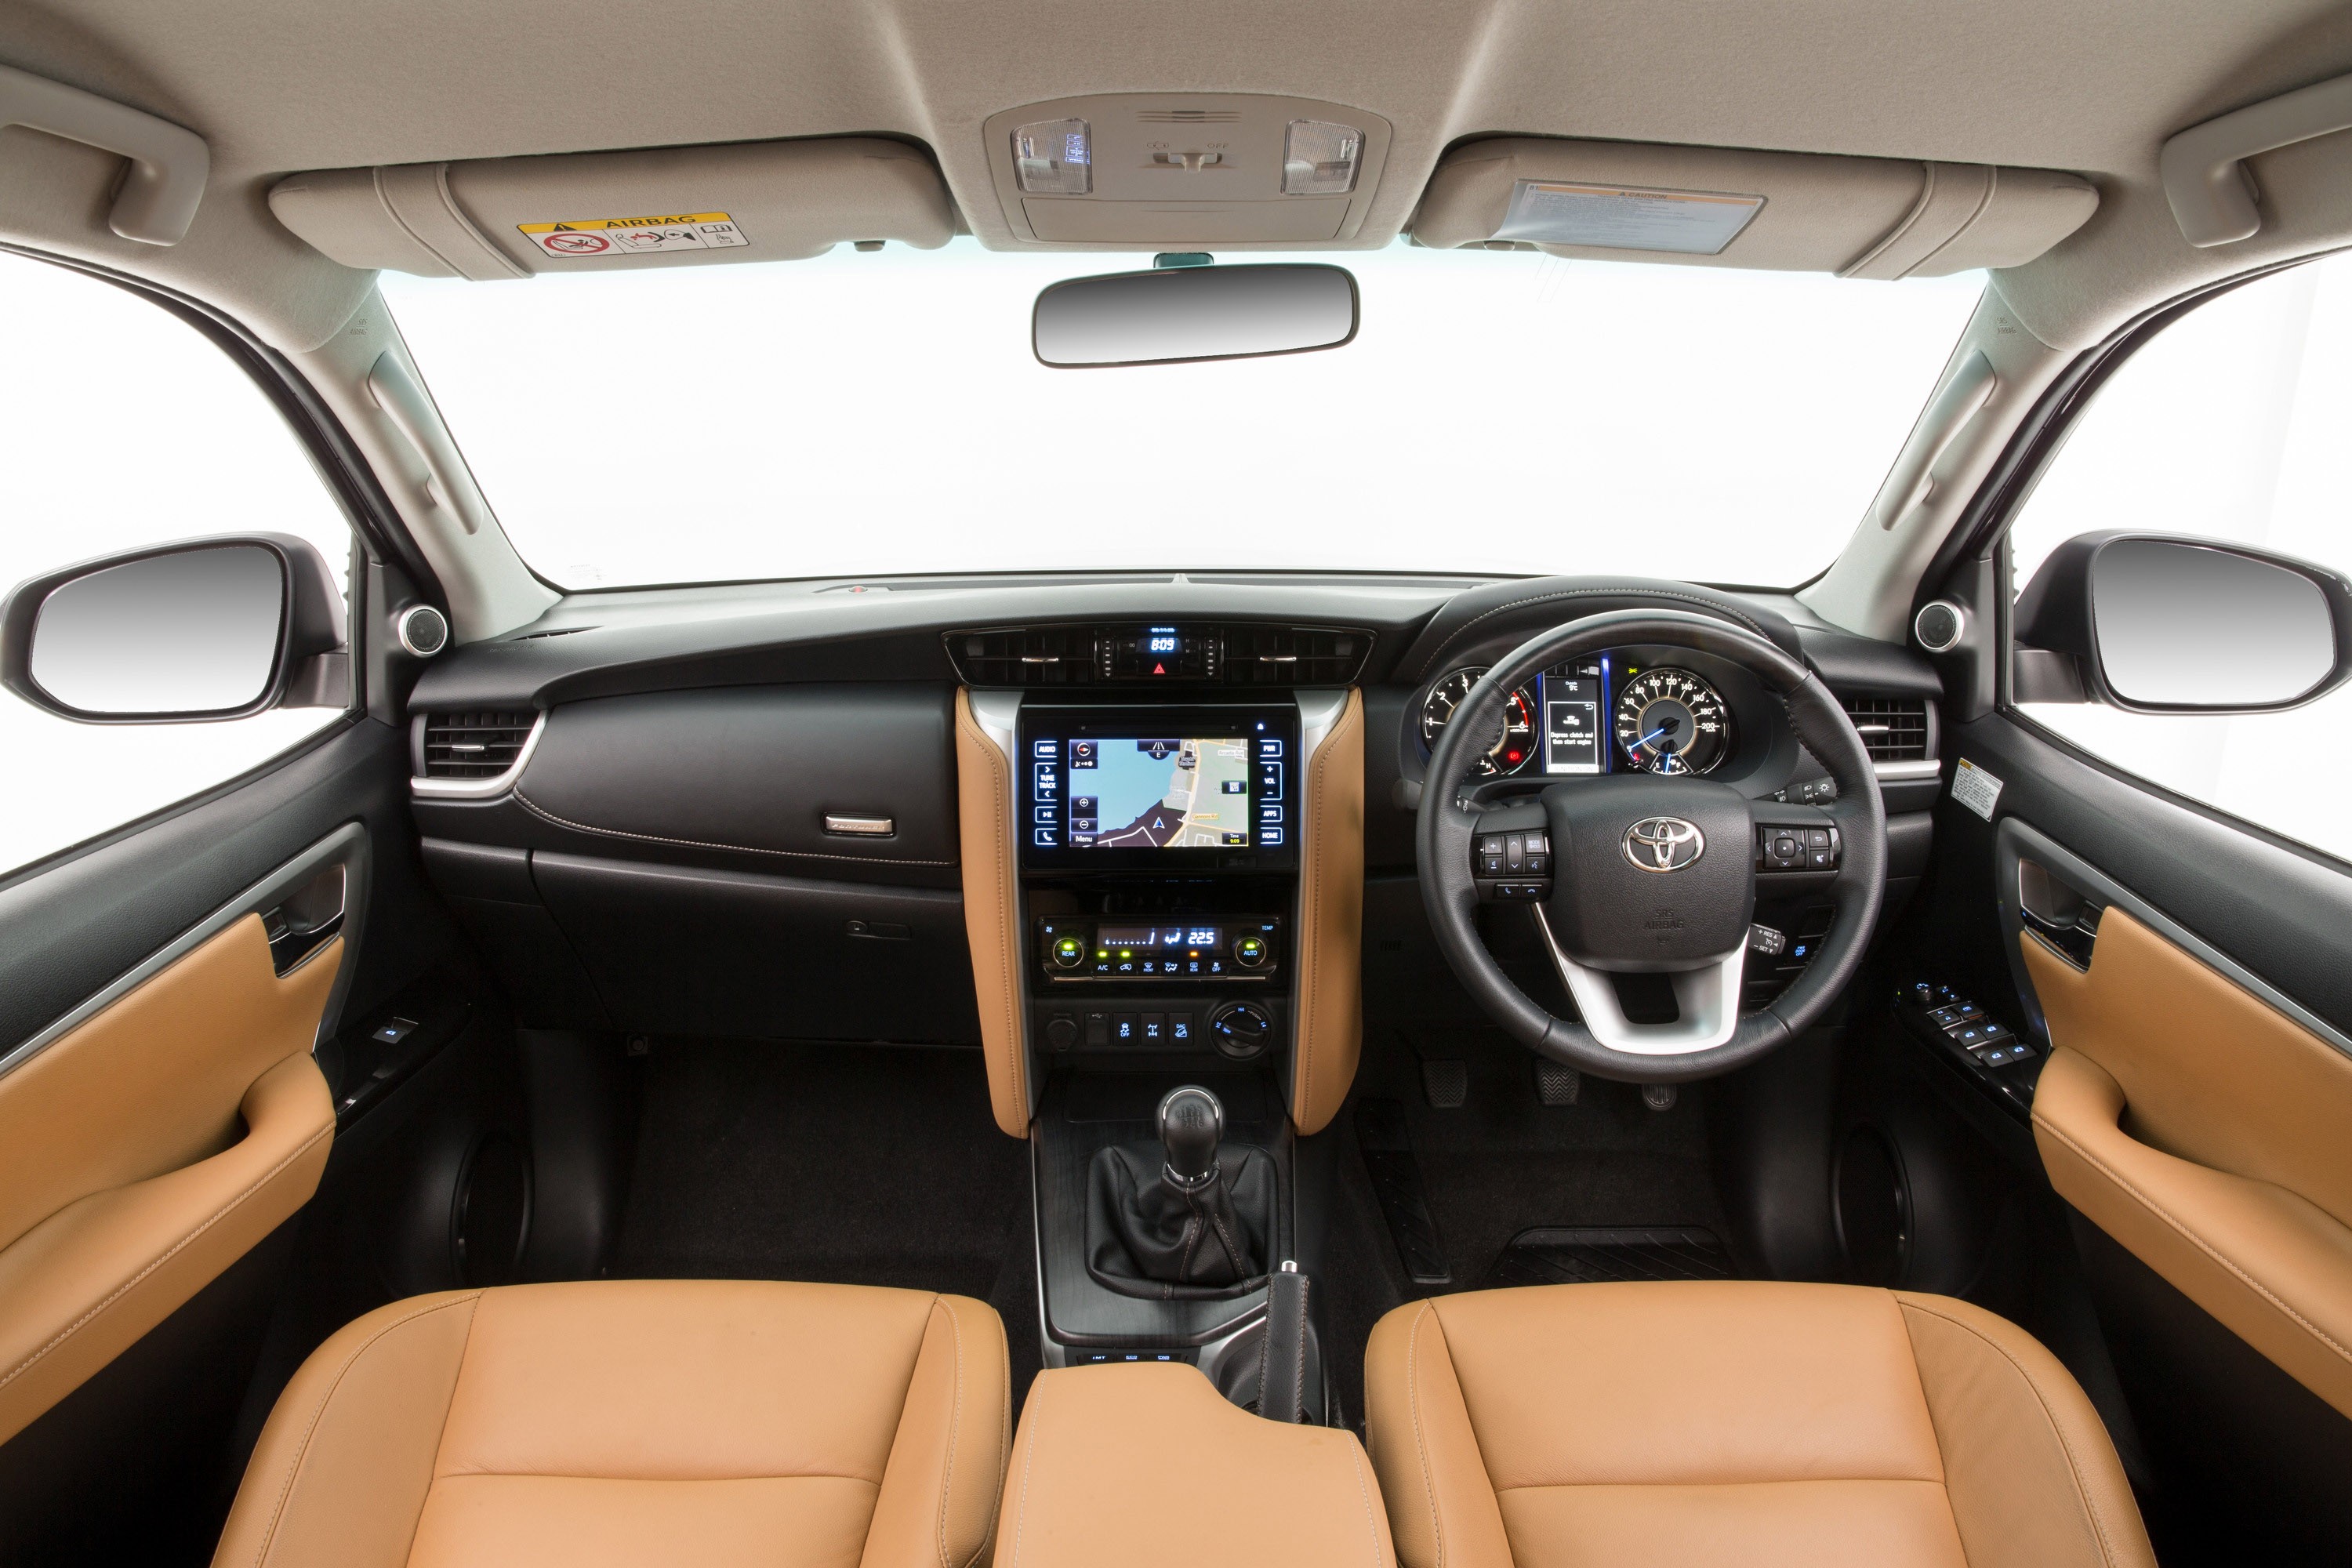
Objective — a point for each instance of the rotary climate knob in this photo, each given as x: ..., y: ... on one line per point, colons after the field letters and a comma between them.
x: 1241, y: 1029
x: 1249, y: 952
x: 1069, y: 953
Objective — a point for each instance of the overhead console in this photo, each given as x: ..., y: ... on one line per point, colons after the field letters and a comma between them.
x: 1721, y: 207
x: 1164, y: 169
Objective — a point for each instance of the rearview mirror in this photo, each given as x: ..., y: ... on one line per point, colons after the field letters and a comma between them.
x: 207, y: 629
x: 1170, y: 315
x: 2152, y: 624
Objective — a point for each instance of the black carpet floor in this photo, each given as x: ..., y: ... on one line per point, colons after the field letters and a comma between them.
x: 1503, y: 1161
x: 849, y: 1165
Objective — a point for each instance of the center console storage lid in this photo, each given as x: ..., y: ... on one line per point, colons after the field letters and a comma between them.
x: 491, y: 218
x: 1113, y: 1462
x: 1726, y: 206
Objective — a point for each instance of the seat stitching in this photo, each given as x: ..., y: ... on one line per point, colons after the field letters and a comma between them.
x: 546, y: 816
x: 1421, y: 1443
x: 302, y: 1450
x: 1021, y: 1510
x: 178, y: 1247
x: 1371, y: 1526
x: 2073, y: 1467
x: 2194, y: 1239
x: 955, y: 1425
x: 656, y: 1480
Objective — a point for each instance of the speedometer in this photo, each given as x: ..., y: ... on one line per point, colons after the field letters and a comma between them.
x: 1671, y: 721
x: 1511, y: 752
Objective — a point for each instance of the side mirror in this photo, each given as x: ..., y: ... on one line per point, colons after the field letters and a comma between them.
x: 1176, y: 313
x: 202, y: 630
x: 2154, y: 624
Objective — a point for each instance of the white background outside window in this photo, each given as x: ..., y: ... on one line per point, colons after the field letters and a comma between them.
x: 120, y: 426
x: 2234, y: 424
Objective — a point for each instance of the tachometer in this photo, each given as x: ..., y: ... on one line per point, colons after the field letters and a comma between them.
x: 1671, y: 721
x: 1517, y: 745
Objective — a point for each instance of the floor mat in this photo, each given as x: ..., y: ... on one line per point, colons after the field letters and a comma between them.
x: 851, y: 1165
x: 1584, y: 1254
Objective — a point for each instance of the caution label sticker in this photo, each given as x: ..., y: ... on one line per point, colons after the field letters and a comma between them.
x: 592, y: 237
x: 1625, y: 217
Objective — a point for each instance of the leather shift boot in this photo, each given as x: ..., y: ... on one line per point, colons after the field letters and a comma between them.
x: 1146, y: 1235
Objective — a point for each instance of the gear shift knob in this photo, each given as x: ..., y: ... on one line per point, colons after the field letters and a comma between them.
x: 1191, y: 1122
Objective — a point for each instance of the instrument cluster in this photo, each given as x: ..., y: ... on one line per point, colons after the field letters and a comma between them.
x: 1615, y: 712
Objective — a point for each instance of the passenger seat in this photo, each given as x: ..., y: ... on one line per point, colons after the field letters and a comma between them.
x: 712, y: 1422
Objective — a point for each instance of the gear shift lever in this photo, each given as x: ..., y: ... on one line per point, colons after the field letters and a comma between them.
x: 1191, y: 1121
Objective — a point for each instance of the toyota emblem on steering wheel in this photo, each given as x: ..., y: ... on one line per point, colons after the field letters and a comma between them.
x: 1663, y: 843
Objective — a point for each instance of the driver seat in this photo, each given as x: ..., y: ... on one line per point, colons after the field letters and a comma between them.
x: 1715, y: 1422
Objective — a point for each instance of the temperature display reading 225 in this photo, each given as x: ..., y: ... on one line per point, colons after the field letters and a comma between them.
x: 1671, y: 721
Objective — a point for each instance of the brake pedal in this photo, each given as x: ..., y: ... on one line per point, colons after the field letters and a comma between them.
x: 1557, y: 1083
x: 1445, y: 1082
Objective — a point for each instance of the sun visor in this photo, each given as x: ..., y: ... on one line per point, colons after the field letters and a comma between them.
x: 1718, y: 206
x: 589, y: 212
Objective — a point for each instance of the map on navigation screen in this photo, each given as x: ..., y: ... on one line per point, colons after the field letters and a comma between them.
x: 1159, y: 793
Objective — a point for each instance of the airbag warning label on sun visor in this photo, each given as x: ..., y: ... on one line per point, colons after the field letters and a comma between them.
x: 1626, y: 218
x: 591, y: 237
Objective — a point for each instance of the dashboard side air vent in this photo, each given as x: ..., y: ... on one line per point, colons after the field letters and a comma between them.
x: 474, y: 745
x: 1025, y: 656
x: 1293, y: 656
x: 1894, y: 729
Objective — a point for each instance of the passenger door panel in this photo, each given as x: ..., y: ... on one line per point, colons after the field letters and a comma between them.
x: 159, y: 1131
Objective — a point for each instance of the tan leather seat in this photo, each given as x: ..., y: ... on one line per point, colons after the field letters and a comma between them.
x: 1753, y: 1423
x: 711, y: 1422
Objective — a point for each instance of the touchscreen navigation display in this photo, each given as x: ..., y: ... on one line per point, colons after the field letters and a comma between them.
x: 1161, y: 793
x: 1218, y: 783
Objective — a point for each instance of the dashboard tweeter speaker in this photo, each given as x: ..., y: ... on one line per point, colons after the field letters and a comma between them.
x: 1939, y: 626
x: 424, y: 630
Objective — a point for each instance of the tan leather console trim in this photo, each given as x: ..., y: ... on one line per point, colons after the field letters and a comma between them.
x: 1330, y: 1018
x: 2205, y: 1130
x: 991, y: 914
x: 146, y: 1151
x: 1108, y: 1454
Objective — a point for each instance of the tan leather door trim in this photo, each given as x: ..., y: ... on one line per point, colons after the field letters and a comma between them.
x: 1330, y: 1022
x: 991, y: 914
x: 148, y: 1149
x: 2207, y: 1133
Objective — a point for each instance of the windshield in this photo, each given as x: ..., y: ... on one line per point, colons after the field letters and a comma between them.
x: 874, y: 414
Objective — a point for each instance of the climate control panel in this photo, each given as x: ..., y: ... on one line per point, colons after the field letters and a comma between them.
x: 1072, y: 949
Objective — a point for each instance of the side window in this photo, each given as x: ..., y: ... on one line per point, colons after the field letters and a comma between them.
x: 2234, y: 424
x: 122, y: 427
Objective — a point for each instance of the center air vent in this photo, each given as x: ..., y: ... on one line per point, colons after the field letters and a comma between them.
x: 1184, y: 653
x: 474, y: 745
x: 1894, y: 729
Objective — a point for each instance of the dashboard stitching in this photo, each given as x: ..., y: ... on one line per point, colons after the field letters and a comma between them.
x: 546, y: 816
x: 1709, y: 604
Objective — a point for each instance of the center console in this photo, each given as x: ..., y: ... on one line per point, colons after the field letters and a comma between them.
x: 1162, y: 852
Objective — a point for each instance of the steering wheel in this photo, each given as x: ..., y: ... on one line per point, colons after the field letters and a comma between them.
x: 1649, y: 874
